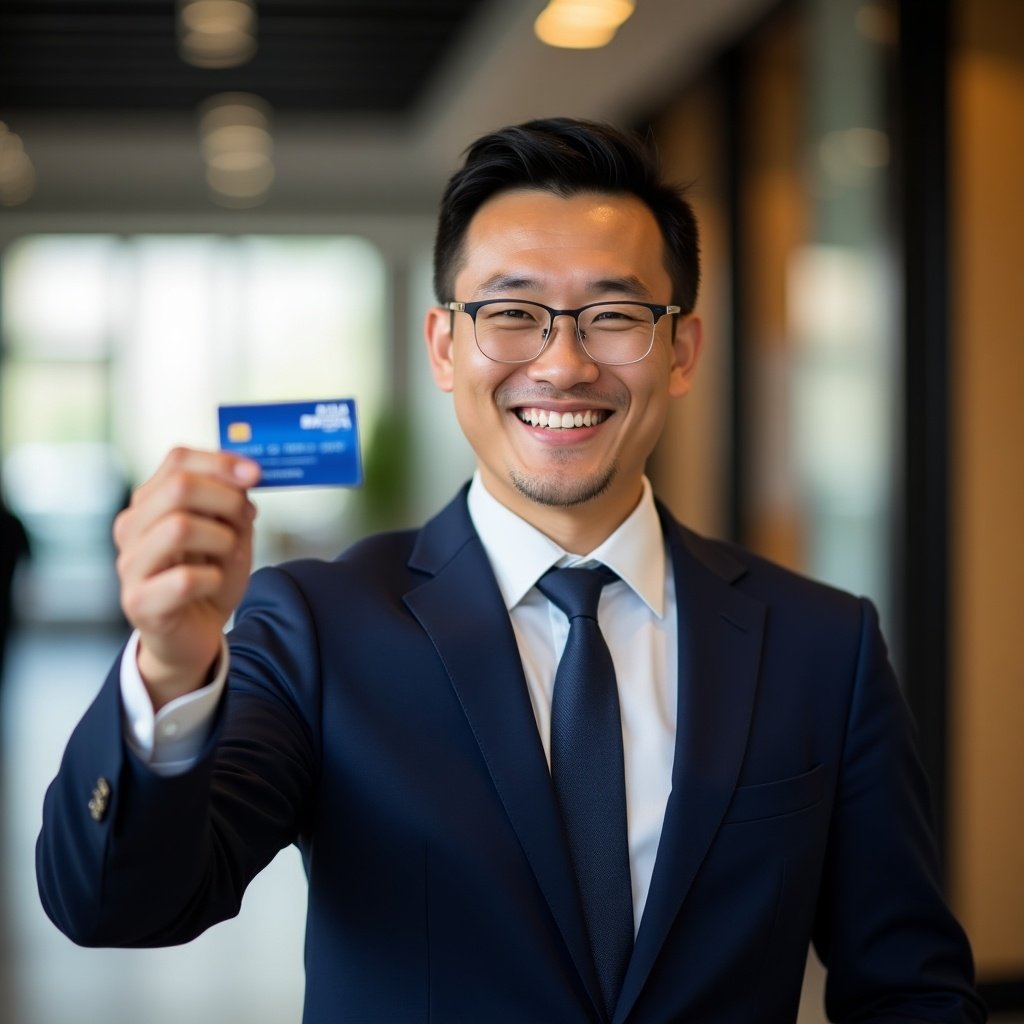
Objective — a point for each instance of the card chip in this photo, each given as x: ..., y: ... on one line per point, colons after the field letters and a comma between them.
x: 239, y: 433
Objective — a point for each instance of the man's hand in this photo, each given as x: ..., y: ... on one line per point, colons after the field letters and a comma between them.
x: 184, y: 557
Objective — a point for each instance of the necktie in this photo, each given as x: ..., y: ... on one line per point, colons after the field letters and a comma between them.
x: 586, y: 768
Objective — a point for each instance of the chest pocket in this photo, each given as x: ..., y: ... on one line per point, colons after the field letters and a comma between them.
x: 775, y: 799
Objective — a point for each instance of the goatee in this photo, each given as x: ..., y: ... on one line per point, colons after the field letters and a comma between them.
x: 556, y: 492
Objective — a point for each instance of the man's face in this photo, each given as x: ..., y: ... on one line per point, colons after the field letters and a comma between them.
x: 533, y: 245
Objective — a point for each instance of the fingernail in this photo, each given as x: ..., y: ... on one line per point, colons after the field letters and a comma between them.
x: 246, y: 472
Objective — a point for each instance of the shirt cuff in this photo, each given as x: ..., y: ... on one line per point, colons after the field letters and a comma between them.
x: 170, y: 741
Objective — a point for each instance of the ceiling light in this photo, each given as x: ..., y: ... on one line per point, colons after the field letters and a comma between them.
x: 581, y: 24
x: 241, y: 186
x: 238, y: 148
x: 216, y: 33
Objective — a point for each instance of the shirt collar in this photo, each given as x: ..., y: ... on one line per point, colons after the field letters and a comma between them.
x: 520, y: 554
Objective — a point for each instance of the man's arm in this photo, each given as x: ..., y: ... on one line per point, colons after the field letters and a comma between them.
x: 155, y: 859
x: 891, y: 946
x: 184, y: 556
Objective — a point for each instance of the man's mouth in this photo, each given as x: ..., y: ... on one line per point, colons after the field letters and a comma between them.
x: 554, y: 420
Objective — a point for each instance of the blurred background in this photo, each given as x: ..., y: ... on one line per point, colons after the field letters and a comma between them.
x: 233, y: 200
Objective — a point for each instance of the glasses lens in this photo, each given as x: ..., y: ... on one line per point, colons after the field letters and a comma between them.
x: 511, y: 332
x: 617, y: 332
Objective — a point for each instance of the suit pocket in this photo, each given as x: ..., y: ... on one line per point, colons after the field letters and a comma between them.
x: 774, y: 799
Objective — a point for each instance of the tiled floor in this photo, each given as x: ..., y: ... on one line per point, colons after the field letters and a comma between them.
x: 246, y: 971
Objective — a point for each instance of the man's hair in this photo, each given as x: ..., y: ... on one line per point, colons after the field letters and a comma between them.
x: 566, y: 157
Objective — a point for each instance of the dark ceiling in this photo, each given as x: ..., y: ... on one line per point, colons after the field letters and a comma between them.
x: 373, y: 57
x: 372, y: 101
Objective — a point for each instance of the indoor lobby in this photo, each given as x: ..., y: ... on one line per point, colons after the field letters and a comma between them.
x: 855, y: 168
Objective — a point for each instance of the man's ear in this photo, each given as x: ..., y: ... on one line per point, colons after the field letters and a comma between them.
x: 686, y: 346
x: 437, y: 331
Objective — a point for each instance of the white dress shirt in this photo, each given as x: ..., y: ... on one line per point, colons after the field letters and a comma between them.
x: 637, y: 615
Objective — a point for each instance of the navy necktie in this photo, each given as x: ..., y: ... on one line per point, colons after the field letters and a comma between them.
x: 588, y: 775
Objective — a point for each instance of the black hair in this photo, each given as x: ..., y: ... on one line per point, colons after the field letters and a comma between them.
x: 566, y: 156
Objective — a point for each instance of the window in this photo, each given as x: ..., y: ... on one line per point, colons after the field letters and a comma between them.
x: 117, y: 348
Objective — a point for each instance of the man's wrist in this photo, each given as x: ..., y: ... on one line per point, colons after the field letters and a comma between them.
x: 164, y: 684
x: 168, y: 739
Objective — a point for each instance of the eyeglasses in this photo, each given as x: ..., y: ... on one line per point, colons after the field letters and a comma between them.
x: 614, y: 333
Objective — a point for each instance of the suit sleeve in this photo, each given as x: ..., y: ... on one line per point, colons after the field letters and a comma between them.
x: 126, y: 857
x: 892, y: 948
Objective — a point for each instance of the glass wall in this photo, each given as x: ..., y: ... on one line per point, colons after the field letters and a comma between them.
x: 118, y: 348
x: 821, y: 443
x: 787, y: 145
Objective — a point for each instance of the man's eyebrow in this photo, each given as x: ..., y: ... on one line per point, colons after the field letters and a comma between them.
x: 632, y: 286
x: 502, y: 284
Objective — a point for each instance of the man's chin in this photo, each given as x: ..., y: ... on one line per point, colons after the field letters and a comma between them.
x: 561, y: 490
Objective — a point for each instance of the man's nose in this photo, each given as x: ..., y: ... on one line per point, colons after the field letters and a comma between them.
x: 564, y: 361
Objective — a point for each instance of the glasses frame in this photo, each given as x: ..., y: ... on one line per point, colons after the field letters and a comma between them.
x: 658, y: 310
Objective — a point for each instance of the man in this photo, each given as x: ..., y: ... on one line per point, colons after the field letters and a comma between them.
x: 14, y: 549
x: 403, y: 715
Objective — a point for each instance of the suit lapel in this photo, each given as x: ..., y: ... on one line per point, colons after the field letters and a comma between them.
x: 461, y: 609
x: 720, y: 635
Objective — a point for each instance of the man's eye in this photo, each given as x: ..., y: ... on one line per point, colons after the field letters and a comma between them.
x: 512, y: 313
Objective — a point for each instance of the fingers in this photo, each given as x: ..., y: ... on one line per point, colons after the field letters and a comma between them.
x: 186, y: 535
x: 159, y: 602
x: 211, y: 484
x: 181, y: 536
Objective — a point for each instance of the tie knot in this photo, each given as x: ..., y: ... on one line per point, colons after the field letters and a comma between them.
x: 576, y: 591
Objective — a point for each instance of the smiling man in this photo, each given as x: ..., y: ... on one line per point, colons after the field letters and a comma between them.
x: 520, y: 387
x: 552, y: 757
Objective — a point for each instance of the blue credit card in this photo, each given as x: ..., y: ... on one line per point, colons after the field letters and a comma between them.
x: 298, y: 444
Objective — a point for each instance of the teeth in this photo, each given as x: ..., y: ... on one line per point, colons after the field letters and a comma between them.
x: 561, y: 421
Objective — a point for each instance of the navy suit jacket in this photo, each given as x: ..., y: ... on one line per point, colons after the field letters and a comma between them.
x: 377, y: 716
